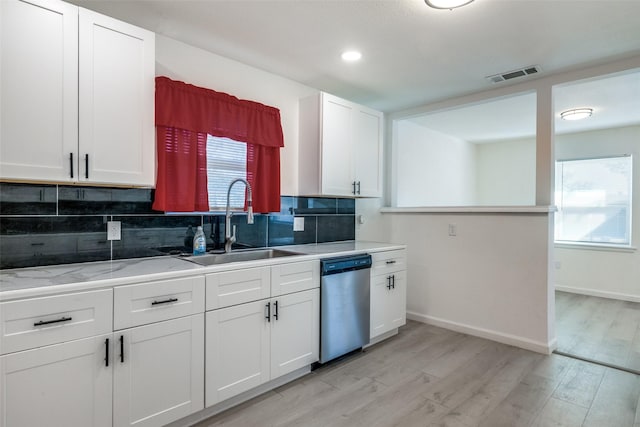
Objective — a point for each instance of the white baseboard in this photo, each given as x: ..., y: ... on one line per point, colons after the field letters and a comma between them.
x: 527, y: 344
x: 597, y: 293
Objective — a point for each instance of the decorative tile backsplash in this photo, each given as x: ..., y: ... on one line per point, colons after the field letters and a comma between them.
x: 51, y: 224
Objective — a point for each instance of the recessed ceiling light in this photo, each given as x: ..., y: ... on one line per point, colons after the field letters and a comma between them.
x: 576, y: 114
x: 447, y: 4
x: 351, y: 55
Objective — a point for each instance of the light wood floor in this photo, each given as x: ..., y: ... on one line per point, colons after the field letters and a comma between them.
x: 427, y: 376
x: 601, y: 329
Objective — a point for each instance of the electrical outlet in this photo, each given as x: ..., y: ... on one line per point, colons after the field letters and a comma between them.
x: 113, y: 230
x: 298, y: 223
x: 453, y: 230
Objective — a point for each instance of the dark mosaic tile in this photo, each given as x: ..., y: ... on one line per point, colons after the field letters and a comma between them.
x: 316, y: 206
x: 249, y: 235
x: 336, y: 228
x: 287, y: 205
x: 144, y: 236
x: 281, y: 231
x: 30, y: 242
x: 106, y: 201
x: 27, y: 199
x: 346, y: 206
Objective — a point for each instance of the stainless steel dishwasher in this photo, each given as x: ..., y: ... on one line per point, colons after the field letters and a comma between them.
x: 344, y: 305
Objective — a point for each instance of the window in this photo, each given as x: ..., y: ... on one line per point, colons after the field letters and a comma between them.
x: 594, y: 200
x: 226, y: 161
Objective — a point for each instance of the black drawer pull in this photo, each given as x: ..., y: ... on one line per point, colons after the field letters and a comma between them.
x: 106, y: 355
x: 121, y: 348
x: 86, y: 166
x: 166, y: 301
x: 268, y: 316
x: 71, y: 164
x: 393, y: 281
x: 391, y: 262
x: 49, y: 322
x: 275, y: 311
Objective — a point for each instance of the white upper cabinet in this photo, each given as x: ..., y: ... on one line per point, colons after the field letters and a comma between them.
x: 77, y: 96
x: 39, y: 89
x: 116, y: 100
x: 340, y: 150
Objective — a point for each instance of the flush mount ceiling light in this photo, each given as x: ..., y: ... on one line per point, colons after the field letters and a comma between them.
x: 351, y: 55
x: 576, y: 114
x: 446, y: 4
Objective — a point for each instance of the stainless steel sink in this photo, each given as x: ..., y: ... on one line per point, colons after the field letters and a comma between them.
x: 239, y: 256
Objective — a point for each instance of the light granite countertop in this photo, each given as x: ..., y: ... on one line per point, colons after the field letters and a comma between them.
x: 47, y: 280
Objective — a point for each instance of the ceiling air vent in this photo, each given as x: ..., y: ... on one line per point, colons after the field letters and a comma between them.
x: 522, y: 72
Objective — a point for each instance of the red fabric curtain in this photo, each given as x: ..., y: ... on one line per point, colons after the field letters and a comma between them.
x: 185, y: 114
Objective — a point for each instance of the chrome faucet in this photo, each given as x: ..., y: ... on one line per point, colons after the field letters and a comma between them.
x: 230, y: 238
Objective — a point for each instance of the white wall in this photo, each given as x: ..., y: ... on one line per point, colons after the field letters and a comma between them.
x: 490, y: 280
x: 506, y: 173
x: 603, y: 272
x: 436, y: 169
x: 180, y: 61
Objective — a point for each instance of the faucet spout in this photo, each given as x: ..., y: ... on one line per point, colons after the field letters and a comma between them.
x: 229, y: 237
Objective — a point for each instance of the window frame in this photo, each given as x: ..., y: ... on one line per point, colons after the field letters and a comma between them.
x: 608, y: 245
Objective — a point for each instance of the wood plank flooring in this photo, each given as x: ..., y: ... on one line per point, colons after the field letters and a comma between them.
x: 428, y: 376
x: 601, y: 329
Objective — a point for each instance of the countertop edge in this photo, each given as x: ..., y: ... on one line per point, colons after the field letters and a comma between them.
x: 308, y: 252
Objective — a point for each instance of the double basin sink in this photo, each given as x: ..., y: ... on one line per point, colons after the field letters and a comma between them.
x: 238, y: 256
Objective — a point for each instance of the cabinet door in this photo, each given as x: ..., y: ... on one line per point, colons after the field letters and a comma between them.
x: 39, y: 86
x: 158, y: 372
x: 62, y: 385
x: 397, y: 314
x: 368, y: 152
x: 116, y: 98
x: 388, y: 302
x: 295, y: 333
x: 237, y: 350
x: 337, y: 146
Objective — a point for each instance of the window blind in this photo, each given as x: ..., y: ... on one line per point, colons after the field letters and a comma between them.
x: 226, y: 161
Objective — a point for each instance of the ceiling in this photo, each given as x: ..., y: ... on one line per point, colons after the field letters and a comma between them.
x: 412, y: 54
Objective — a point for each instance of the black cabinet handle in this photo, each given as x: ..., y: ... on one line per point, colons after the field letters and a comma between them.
x: 388, y: 282
x: 358, y: 187
x: 353, y: 184
x: 393, y: 261
x: 166, y: 301
x: 121, y: 348
x: 268, y: 316
x: 71, y: 164
x: 86, y: 166
x: 393, y: 281
x: 275, y: 311
x: 49, y: 322
x: 106, y: 355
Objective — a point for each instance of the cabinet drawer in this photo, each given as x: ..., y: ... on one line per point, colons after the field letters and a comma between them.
x: 36, y: 322
x: 145, y: 303
x: 237, y: 287
x: 389, y: 261
x: 294, y: 277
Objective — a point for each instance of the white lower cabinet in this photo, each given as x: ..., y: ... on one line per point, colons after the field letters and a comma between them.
x: 61, y: 385
x: 158, y: 372
x: 388, y: 302
x: 388, y: 291
x: 250, y: 344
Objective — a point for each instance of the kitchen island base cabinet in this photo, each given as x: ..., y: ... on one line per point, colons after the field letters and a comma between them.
x: 61, y: 385
x: 250, y: 344
x: 159, y: 372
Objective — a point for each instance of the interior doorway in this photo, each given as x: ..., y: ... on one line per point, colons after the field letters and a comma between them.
x: 597, y: 265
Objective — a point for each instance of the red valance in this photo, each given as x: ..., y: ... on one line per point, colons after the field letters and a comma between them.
x: 184, y: 106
